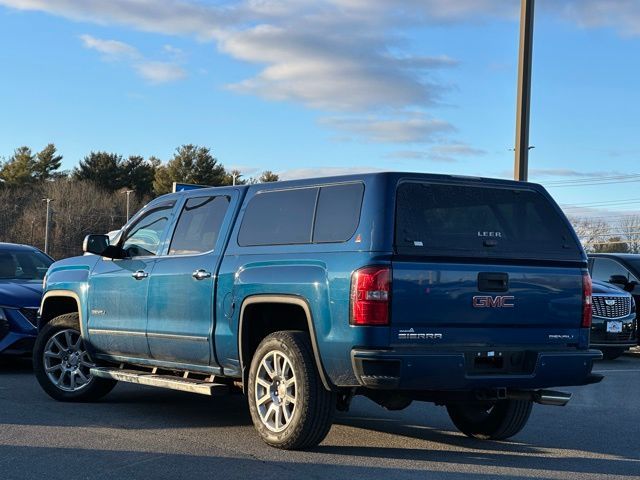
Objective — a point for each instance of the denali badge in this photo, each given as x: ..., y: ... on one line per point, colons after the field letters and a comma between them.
x: 487, y: 301
x: 610, y: 302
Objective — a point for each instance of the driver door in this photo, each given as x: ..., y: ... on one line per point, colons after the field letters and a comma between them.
x: 118, y: 288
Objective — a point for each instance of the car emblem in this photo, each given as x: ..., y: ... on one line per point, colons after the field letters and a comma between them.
x: 610, y: 302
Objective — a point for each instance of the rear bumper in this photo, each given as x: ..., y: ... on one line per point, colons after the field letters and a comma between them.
x: 614, y: 344
x: 407, y: 370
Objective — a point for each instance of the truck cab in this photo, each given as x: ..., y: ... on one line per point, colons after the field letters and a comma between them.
x: 468, y: 292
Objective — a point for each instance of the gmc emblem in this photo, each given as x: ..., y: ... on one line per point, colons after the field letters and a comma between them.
x: 487, y: 301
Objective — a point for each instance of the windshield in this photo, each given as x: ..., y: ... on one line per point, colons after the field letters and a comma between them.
x: 480, y: 221
x: 23, y: 265
x: 634, y: 263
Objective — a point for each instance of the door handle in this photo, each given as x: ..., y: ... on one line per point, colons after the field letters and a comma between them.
x: 201, y: 274
x: 140, y: 274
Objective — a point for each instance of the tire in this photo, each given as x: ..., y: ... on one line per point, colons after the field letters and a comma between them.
x: 289, y: 405
x: 59, y: 353
x: 612, y: 353
x: 496, y: 421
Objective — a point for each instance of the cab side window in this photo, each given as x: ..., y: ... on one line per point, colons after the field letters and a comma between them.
x: 144, y: 236
x: 610, y: 271
x: 199, y: 225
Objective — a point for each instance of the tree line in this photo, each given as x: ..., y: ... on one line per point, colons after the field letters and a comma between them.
x: 112, y: 171
x: 90, y: 197
x: 599, y: 235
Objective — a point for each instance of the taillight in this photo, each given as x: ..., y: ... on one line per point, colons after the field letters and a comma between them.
x: 587, y: 309
x: 370, y: 295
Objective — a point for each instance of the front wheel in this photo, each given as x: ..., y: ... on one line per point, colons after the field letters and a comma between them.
x: 496, y: 420
x: 62, y: 365
x: 289, y: 405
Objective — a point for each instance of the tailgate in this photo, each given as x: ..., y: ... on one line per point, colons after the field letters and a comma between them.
x: 479, y: 304
x: 484, y: 263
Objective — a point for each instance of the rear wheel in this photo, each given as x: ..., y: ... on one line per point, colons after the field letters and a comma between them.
x: 612, y: 353
x: 496, y: 420
x: 62, y: 364
x: 289, y: 405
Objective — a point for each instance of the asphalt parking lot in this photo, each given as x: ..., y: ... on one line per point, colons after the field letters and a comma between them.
x: 142, y: 432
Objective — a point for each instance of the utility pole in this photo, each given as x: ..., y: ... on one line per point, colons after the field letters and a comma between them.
x: 47, y: 225
x: 128, y: 192
x: 521, y: 166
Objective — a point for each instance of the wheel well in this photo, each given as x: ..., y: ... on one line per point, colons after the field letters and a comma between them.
x: 55, y: 306
x: 262, y: 319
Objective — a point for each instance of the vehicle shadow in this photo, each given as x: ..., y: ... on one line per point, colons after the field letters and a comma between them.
x: 98, y: 464
x: 541, y: 457
x: 17, y: 365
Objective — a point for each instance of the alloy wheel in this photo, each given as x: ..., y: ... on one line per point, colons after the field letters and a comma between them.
x: 275, y: 391
x: 66, y: 362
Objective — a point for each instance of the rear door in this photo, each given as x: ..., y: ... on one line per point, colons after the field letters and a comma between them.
x: 182, y: 283
x: 483, y: 265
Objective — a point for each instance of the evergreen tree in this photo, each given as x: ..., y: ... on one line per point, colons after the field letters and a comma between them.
x: 190, y: 164
x: 268, y: 176
x: 46, y: 164
x: 18, y: 170
x: 103, y: 169
x: 138, y: 174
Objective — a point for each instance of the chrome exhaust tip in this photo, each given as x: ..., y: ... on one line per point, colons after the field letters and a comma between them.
x: 550, y: 397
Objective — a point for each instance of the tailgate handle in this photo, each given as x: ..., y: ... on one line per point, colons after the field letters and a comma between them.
x: 493, y: 282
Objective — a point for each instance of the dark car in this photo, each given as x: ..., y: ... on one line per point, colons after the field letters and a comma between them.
x: 22, y: 269
x: 614, y: 328
x: 619, y: 269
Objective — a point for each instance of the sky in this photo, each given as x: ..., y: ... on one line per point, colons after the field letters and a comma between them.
x: 316, y: 87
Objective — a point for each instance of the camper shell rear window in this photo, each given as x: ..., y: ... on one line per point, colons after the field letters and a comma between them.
x: 460, y: 220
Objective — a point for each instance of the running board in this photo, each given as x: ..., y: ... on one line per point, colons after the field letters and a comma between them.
x: 152, y: 379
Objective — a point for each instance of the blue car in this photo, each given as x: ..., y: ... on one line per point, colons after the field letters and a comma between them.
x: 22, y: 269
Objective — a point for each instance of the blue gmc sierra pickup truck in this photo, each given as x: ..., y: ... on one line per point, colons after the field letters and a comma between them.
x: 471, y: 293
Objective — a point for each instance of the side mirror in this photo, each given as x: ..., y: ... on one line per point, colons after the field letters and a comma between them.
x: 630, y: 286
x: 95, y: 244
x: 619, y: 280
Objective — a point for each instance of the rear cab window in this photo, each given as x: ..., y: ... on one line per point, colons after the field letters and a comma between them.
x: 460, y: 220
x: 319, y: 214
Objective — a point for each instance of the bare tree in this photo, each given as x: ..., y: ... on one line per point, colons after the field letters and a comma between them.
x: 593, y: 233
x: 79, y: 208
x: 629, y: 227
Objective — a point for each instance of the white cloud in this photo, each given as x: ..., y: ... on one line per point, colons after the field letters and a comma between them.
x: 447, y: 153
x: 620, y: 15
x: 160, y: 72
x: 407, y: 128
x: 330, y: 70
x: 173, y: 17
x: 313, y: 172
x: 112, y: 49
x: 155, y: 72
x: 342, y: 56
x: 453, y: 151
x: 567, y: 172
x: 326, y: 54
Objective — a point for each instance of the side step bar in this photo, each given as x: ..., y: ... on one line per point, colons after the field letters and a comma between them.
x: 153, y: 379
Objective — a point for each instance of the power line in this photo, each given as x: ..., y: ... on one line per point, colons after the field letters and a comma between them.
x: 628, y: 201
x: 594, y: 180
